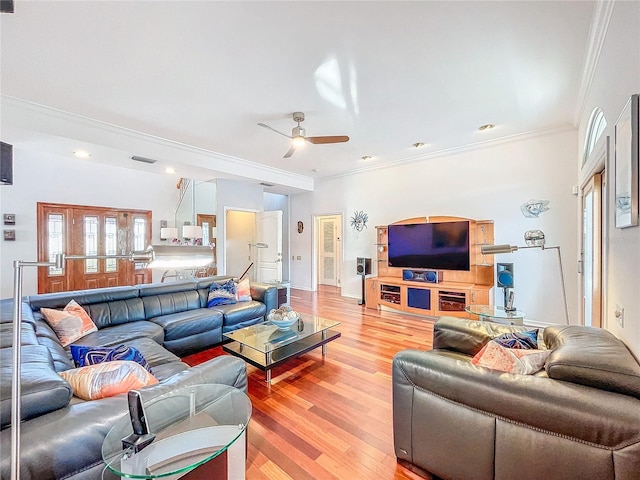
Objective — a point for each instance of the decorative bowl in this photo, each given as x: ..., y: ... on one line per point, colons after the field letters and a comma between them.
x: 285, y: 323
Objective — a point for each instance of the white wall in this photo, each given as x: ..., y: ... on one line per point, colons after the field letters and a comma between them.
x: 41, y: 177
x: 489, y: 182
x: 617, y: 77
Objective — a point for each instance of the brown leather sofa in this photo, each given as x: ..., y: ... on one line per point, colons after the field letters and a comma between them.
x: 578, y: 418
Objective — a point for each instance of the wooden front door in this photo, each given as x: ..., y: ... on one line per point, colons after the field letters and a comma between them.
x: 91, y: 231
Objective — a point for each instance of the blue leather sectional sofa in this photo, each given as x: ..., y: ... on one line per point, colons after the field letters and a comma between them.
x: 61, y: 435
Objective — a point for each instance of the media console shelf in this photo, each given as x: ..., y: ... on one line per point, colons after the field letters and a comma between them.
x: 454, y: 289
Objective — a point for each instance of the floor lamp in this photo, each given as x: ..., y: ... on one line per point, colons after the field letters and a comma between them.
x: 18, y: 265
x: 497, y: 249
x: 160, y: 255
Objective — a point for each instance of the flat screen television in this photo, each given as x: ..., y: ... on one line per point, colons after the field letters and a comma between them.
x: 437, y: 246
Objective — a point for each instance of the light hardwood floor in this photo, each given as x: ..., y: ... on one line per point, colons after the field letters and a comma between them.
x: 332, y: 418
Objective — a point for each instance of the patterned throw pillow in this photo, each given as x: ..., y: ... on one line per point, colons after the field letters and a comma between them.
x: 224, y: 294
x: 107, y: 379
x: 525, y: 340
x: 243, y: 288
x: 70, y: 324
x: 511, y: 360
x: 83, y: 356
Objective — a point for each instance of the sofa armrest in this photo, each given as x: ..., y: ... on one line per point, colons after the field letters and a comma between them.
x: 265, y: 293
x: 575, y: 411
x: 593, y: 357
x: 468, y: 336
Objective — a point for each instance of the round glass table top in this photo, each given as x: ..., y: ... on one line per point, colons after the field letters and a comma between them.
x: 191, y: 425
x: 493, y: 312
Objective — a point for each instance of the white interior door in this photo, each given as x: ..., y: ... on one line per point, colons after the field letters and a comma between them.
x: 328, y: 251
x: 592, y: 252
x: 268, y: 246
x: 240, y: 232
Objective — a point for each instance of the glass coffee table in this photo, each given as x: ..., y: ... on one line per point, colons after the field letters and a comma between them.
x: 199, y: 434
x: 265, y: 346
x: 496, y: 314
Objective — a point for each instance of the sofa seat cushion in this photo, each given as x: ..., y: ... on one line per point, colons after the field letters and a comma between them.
x: 191, y: 322
x: 593, y: 357
x: 122, y: 334
x: 154, y: 354
x: 42, y: 389
x: 167, y: 370
x: 241, y: 313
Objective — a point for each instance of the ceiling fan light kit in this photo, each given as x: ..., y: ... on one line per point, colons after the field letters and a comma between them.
x: 299, y: 138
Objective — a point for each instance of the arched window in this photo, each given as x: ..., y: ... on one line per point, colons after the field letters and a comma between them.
x: 597, y: 124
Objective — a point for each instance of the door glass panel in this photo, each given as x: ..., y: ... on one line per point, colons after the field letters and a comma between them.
x: 91, y: 243
x: 55, y: 244
x: 139, y: 239
x: 588, y: 258
x: 139, y: 234
x: 111, y: 243
x: 205, y: 233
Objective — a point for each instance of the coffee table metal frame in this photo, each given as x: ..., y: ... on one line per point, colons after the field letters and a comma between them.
x: 265, y: 346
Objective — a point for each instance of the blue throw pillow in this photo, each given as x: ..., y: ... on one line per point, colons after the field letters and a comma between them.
x: 524, y: 340
x: 222, y: 294
x: 83, y: 356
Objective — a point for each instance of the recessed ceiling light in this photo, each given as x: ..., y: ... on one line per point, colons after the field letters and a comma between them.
x: 487, y: 126
x: 315, y: 170
x: 82, y: 154
x: 170, y: 170
x: 366, y: 157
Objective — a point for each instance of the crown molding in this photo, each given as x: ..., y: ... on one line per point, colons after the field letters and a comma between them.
x: 602, y: 13
x: 53, y: 121
x: 518, y: 137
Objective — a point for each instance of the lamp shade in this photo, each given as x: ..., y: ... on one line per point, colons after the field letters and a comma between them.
x: 495, y: 249
x: 168, y: 233
x: 192, y: 231
x: 183, y: 256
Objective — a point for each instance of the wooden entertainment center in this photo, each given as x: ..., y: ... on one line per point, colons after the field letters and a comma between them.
x: 434, y: 293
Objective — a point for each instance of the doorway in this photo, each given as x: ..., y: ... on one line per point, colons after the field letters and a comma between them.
x: 253, y: 241
x: 329, y: 250
x: 591, y: 251
x: 87, y: 230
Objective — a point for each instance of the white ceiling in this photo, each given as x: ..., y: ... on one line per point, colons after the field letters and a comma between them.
x: 388, y: 74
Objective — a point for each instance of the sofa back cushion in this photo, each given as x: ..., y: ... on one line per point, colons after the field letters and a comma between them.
x: 169, y: 298
x: 467, y: 336
x: 42, y: 390
x: 593, y: 357
x: 105, y: 306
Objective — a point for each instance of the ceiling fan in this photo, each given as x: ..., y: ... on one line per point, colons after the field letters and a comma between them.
x: 298, y: 136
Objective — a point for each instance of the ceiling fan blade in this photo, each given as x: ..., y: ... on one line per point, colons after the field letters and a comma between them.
x: 290, y: 151
x: 274, y: 130
x: 328, y: 139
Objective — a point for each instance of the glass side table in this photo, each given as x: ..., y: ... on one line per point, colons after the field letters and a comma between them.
x: 200, y: 433
x: 496, y: 314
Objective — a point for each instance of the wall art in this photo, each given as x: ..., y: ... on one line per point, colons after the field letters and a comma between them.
x: 359, y: 220
x: 533, y: 208
x: 626, y: 165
